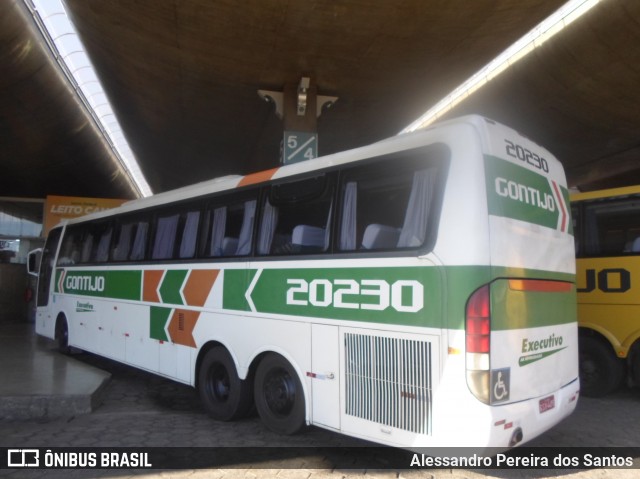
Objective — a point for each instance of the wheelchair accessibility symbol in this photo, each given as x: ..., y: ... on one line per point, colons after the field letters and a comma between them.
x: 500, y: 385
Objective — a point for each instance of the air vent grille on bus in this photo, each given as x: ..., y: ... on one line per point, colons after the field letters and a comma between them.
x: 388, y: 381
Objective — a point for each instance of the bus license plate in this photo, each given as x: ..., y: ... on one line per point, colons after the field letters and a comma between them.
x: 547, y: 403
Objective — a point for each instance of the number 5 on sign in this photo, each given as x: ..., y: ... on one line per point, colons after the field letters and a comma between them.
x: 299, y: 146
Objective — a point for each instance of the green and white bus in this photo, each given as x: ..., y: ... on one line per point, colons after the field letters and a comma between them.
x: 417, y: 292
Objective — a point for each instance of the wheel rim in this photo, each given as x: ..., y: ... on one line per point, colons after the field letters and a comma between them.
x: 219, y: 384
x: 279, y: 392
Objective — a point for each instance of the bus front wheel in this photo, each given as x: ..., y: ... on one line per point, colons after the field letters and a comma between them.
x: 279, y: 396
x: 224, y: 395
x: 600, y: 371
x: 62, y: 335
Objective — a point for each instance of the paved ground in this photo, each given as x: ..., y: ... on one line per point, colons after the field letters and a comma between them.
x: 37, y: 381
x: 143, y: 410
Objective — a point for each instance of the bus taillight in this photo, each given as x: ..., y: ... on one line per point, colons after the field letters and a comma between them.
x: 478, y: 321
x: 478, y: 345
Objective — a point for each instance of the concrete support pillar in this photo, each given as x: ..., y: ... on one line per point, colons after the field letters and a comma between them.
x: 299, y: 107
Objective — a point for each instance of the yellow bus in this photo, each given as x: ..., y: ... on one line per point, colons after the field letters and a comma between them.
x: 607, y: 234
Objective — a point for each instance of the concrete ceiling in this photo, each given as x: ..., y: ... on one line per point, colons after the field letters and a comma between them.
x: 183, y: 75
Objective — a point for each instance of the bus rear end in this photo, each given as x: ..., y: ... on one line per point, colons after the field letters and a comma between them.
x: 521, y: 341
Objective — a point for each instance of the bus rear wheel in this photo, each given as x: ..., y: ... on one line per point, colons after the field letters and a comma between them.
x: 224, y: 395
x: 600, y: 371
x: 279, y: 396
x: 634, y: 364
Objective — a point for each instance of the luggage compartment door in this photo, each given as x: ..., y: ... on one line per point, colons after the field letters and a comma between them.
x: 325, y: 374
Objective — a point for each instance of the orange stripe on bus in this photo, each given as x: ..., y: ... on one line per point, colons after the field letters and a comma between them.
x: 199, y: 285
x: 540, y: 285
x: 258, y: 177
x: 150, y: 285
x: 181, y: 327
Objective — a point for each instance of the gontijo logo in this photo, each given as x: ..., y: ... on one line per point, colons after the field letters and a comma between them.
x: 534, y: 197
x: 72, y: 283
x: 526, y: 194
x: 76, y: 282
x: 84, y: 283
x: 516, y: 192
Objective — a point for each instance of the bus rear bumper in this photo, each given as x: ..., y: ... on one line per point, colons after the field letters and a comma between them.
x: 527, y: 420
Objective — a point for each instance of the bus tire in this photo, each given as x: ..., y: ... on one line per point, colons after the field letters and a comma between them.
x: 224, y: 395
x: 634, y: 364
x: 62, y: 335
x: 600, y: 371
x: 279, y: 396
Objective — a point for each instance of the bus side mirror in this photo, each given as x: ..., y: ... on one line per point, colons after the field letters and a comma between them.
x: 33, y: 261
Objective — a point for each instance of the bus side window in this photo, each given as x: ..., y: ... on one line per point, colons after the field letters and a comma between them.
x: 213, y: 231
x: 71, y: 247
x: 87, y: 246
x: 611, y: 227
x: 417, y: 213
x: 176, y: 234
x: 139, y: 246
x: 349, y: 216
x: 385, y: 210
x: 246, y: 229
x: 95, y: 239
x: 165, y: 237
x: 189, y: 234
x: 130, y: 240
x: 577, y: 228
x: 101, y: 252
x: 226, y: 222
x: 228, y: 228
x: 296, y: 218
x: 122, y: 244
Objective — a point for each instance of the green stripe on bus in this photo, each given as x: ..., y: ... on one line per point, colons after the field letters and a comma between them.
x: 115, y: 284
x: 236, y: 283
x: 408, y: 296
x: 529, y: 309
x: 159, y: 318
x: 171, y: 285
x: 411, y: 296
x: 384, y: 295
x: 462, y: 281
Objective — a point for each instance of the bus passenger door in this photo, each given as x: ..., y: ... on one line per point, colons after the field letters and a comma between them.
x: 325, y: 373
x: 45, y: 324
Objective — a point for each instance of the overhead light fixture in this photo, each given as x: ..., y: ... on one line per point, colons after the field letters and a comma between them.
x: 549, y: 27
x: 67, y: 50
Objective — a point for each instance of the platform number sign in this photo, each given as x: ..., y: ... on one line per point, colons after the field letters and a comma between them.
x: 299, y: 146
